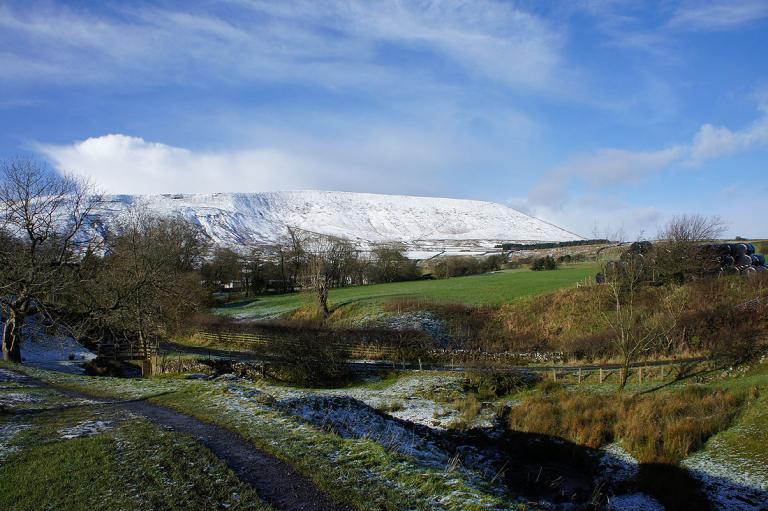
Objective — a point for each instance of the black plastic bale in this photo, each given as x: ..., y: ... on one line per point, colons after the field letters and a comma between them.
x: 743, y: 260
x: 729, y: 270
x: 728, y: 260
x: 751, y: 249
x: 740, y: 249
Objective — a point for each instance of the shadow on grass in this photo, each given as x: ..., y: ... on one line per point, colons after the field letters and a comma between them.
x: 535, y: 468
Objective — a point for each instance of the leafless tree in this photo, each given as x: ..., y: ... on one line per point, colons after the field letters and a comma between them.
x: 680, y: 254
x: 146, y: 283
x: 43, y: 216
x: 636, y: 329
x: 324, y: 264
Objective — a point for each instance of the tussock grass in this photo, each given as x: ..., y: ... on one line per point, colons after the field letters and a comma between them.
x: 657, y: 428
x: 469, y: 408
x: 668, y: 427
x: 585, y: 419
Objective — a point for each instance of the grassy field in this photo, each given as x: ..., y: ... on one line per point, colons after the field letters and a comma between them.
x: 492, y: 288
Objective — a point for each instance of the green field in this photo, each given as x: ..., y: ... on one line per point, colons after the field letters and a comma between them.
x: 491, y: 288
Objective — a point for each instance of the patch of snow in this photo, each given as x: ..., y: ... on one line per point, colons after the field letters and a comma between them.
x: 634, y: 502
x: 10, y: 376
x: 729, y: 485
x: 426, y: 225
x: 85, y: 429
x: 424, y: 321
x: 617, y: 465
x: 59, y: 353
x: 20, y: 397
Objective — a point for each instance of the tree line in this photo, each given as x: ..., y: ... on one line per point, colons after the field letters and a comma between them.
x: 283, y: 267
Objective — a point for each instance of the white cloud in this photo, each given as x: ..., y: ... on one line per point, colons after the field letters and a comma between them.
x: 131, y: 165
x: 610, y: 166
x: 715, y: 141
x: 331, y: 44
x: 601, y: 169
x: 718, y: 14
x: 378, y: 159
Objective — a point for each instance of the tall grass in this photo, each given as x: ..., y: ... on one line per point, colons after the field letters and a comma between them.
x: 585, y: 419
x: 659, y: 428
x: 668, y: 427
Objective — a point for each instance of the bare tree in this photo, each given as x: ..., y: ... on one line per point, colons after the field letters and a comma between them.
x: 692, y: 229
x: 146, y: 284
x: 680, y: 253
x: 636, y: 329
x: 325, y: 264
x: 43, y: 216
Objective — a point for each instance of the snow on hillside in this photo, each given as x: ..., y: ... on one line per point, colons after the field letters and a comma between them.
x: 426, y: 225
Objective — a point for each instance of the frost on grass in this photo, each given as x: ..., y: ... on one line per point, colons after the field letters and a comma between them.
x: 351, y: 418
x: 358, y: 462
x: 729, y: 484
x: 617, y: 465
x: 634, y: 502
x: 85, y: 429
x: 7, y: 434
x: 732, y: 466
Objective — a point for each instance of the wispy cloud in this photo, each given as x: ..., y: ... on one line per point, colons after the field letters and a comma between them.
x: 718, y: 14
x: 607, y: 167
x: 331, y: 44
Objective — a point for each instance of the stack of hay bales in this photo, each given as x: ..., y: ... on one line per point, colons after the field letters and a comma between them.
x: 739, y: 259
x: 721, y: 259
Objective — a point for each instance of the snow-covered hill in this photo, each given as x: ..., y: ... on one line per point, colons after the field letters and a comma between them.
x: 426, y: 225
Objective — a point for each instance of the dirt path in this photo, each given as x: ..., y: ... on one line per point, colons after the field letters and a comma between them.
x: 276, y: 481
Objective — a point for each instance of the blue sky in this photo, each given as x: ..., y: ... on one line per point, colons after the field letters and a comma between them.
x: 605, y: 112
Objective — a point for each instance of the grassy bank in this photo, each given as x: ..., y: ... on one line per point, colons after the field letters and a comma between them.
x: 88, y: 457
x: 492, y: 288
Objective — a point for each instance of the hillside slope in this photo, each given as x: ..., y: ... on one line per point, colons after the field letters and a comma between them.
x: 422, y: 223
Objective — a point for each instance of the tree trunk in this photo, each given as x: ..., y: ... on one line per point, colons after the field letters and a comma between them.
x: 624, y: 376
x: 322, y: 300
x: 12, y: 338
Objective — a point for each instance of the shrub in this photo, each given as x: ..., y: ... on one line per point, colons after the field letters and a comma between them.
x: 492, y: 383
x: 544, y: 263
x: 312, y: 364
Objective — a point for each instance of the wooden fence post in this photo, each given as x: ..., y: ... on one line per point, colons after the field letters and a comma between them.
x: 554, y: 375
x: 579, y: 374
x: 600, y: 375
x: 639, y: 375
